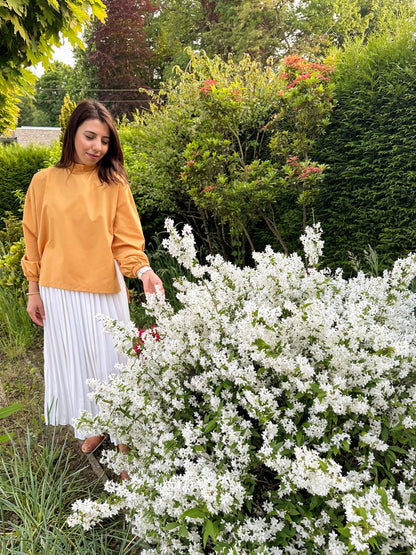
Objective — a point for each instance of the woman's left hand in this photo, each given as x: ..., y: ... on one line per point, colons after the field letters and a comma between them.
x: 152, y: 283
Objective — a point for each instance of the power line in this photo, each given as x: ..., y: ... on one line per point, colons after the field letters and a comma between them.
x: 101, y: 90
x: 104, y: 100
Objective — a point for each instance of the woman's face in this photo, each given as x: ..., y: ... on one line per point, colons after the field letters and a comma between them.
x: 91, y: 142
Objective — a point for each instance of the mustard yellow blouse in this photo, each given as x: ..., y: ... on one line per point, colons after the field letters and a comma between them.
x: 75, y: 227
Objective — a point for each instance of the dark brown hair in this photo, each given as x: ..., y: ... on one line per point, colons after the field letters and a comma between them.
x: 110, y: 167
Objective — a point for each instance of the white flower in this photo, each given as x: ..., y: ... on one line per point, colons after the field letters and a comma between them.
x: 272, y: 389
x: 313, y: 244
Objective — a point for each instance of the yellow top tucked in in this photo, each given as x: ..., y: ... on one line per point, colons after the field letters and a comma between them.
x: 75, y: 227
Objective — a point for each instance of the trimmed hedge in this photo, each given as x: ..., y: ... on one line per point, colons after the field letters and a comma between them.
x: 17, y: 166
x: 369, y: 191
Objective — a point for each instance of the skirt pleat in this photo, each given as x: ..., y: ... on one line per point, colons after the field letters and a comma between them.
x: 76, y: 348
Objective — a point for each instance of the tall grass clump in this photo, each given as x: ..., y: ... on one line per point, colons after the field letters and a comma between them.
x: 38, y: 484
x: 17, y: 332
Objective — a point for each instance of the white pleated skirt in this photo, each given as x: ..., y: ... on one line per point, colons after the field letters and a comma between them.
x: 76, y: 348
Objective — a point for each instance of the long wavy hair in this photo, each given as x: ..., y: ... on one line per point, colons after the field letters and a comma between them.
x: 111, y: 166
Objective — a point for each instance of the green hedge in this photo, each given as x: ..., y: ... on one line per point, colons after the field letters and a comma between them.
x: 369, y: 191
x: 17, y: 166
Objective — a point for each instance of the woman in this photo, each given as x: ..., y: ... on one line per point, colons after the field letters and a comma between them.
x: 82, y: 232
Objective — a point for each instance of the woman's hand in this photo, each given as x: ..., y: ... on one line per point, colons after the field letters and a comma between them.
x: 152, y: 283
x: 35, y: 309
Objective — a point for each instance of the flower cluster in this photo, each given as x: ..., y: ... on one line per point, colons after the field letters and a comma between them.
x: 142, y: 336
x: 298, y: 70
x: 277, y: 415
x: 208, y: 84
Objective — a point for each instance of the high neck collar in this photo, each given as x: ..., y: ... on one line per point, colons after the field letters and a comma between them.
x: 83, y: 168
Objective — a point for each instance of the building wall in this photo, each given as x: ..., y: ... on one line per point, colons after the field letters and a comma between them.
x: 44, y: 135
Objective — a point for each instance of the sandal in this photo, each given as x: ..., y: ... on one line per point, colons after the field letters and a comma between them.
x: 124, y: 476
x: 91, y: 444
x: 124, y: 449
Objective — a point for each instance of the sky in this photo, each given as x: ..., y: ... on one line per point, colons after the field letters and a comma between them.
x: 63, y: 54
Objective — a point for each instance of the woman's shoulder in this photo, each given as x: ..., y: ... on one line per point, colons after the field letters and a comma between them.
x: 45, y: 173
x: 44, y: 176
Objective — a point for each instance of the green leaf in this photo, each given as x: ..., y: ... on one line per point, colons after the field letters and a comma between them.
x: 7, y: 411
x: 172, y: 525
x: 345, y: 531
x: 211, y: 425
x: 210, y: 530
x: 194, y: 513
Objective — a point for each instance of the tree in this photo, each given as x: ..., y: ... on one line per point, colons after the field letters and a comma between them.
x: 66, y: 111
x: 50, y: 91
x: 84, y: 82
x: 321, y: 24
x: 29, y: 30
x: 175, y: 25
x: 264, y: 28
x: 121, y: 54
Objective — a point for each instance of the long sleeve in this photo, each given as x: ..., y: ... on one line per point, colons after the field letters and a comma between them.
x: 128, y: 241
x: 75, y: 227
x: 31, y: 260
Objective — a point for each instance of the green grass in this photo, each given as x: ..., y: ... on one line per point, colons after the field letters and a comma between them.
x: 17, y: 331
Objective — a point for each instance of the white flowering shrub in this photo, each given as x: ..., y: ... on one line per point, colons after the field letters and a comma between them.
x: 273, y: 413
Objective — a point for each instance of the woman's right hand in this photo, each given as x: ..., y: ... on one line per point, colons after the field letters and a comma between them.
x: 35, y: 309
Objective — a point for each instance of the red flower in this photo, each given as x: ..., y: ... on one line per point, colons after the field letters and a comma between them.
x: 237, y: 94
x: 309, y: 170
x: 294, y: 61
x: 208, y: 84
x: 140, y: 341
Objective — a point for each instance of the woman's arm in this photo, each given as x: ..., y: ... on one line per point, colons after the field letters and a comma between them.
x: 152, y: 282
x: 35, y: 307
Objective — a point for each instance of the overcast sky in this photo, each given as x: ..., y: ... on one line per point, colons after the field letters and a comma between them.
x: 63, y: 54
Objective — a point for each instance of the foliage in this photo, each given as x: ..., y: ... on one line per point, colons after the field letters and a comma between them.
x: 228, y: 148
x: 175, y: 26
x: 268, y: 28
x: 16, y: 329
x: 11, y: 274
x: 43, y: 108
x: 38, y: 483
x: 168, y: 269
x: 276, y: 414
x: 67, y: 108
x: 321, y: 24
x: 8, y: 411
x: 368, y: 195
x: 27, y: 111
x: 28, y: 32
x: 50, y: 91
x: 13, y: 321
x: 121, y: 55
x: 17, y: 166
